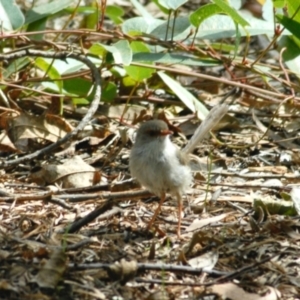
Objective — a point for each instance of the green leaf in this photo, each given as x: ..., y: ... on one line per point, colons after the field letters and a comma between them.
x: 171, y: 4
x: 290, y: 24
x: 204, y: 12
x: 185, y: 96
x: 51, y: 71
x: 222, y: 26
x: 170, y: 58
x: 274, y: 206
x: 138, y: 73
x: 85, y: 10
x: 141, y: 9
x: 78, y: 87
x: 109, y: 92
x: 223, y: 47
x: 139, y: 25
x: 231, y: 12
x: 90, y: 20
x: 15, y: 66
x: 293, y: 9
x: 98, y: 49
x: 291, y: 55
x: 237, y: 40
x: 162, y: 8
x: 80, y: 101
x: 11, y: 17
x: 123, y: 52
x: 138, y: 47
x: 278, y: 3
x: 38, y: 25
x: 46, y: 10
x: 71, y: 65
x: 114, y: 13
x: 180, y: 31
x: 128, y: 81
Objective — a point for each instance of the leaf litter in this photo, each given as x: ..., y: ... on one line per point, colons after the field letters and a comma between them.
x: 242, y: 245
x: 86, y: 239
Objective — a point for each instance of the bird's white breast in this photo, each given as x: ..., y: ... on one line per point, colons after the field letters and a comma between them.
x: 157, y: 167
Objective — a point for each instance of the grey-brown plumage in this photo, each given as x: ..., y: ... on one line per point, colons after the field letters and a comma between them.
x: 159, y: 165
x: 156, y: 162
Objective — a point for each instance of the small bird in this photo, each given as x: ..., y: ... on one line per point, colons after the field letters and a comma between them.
x: 160, y: 166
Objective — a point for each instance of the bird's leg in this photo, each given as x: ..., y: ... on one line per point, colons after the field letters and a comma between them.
x: 179, y: 200
x: 162, y: 199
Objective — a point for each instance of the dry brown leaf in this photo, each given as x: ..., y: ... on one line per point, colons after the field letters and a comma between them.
x: 5, y: 285
x: 199, y: 223
x: 273, y: 169
x: 24, y: 126
x: 6, y: 145
x: 234, y: 292
x: 73, y: 173
x: 123, y: 270
x: 115, y: 111
x: 206, y: 261
x: 51, y: 273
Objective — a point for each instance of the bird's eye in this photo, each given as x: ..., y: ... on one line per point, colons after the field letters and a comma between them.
x: 152, y: 132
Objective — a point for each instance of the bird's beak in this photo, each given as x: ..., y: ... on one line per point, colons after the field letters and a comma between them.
x: 165, y: 132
